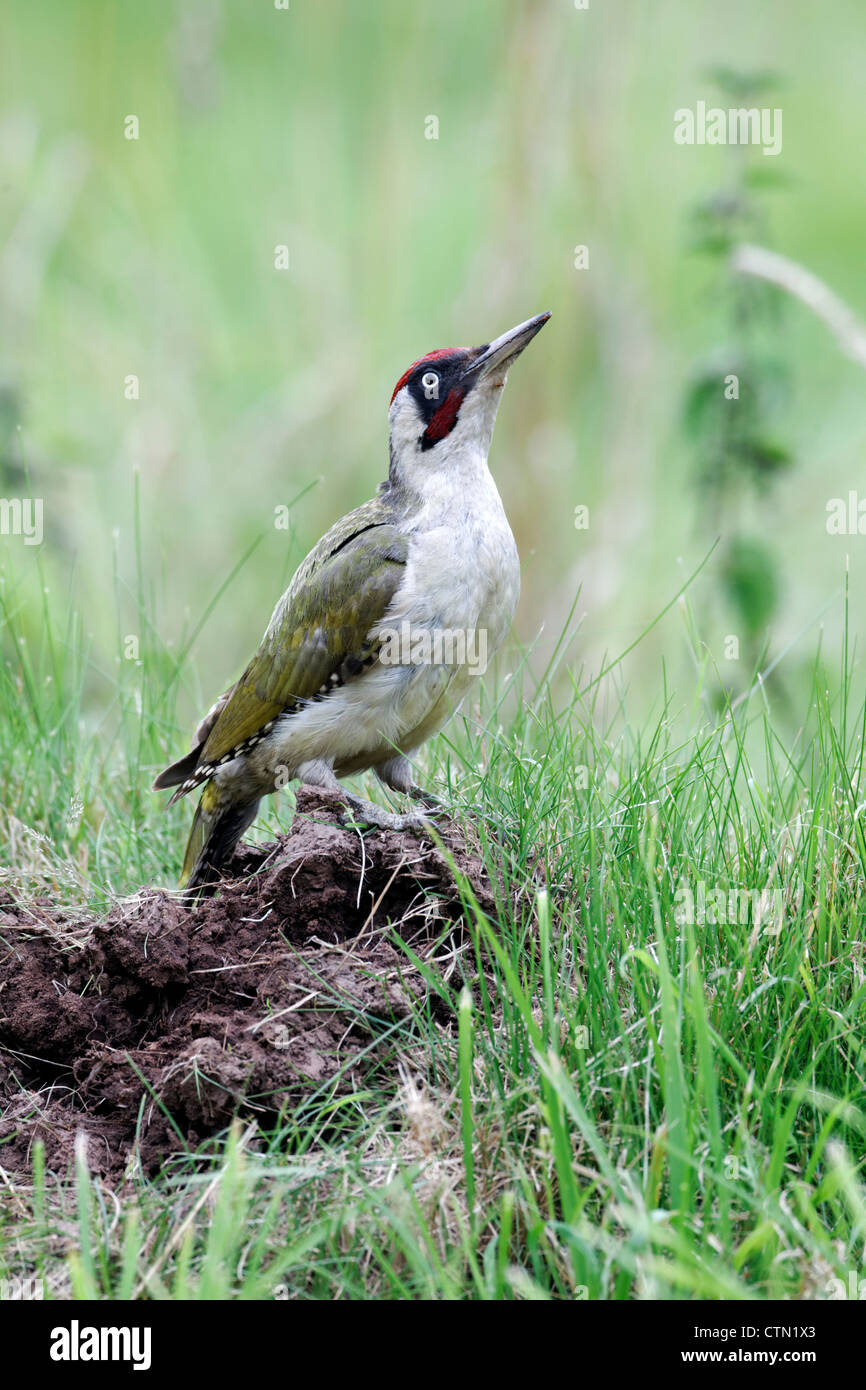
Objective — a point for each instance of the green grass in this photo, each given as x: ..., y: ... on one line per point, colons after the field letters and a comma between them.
x: 628, y: 1105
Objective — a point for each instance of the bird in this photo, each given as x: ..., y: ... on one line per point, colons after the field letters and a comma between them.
x: 334, y: 689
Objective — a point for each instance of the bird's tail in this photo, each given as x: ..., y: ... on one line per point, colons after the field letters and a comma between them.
x: 218, y: 824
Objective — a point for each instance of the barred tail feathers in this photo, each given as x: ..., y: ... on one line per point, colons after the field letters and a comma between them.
x: 218, y: 824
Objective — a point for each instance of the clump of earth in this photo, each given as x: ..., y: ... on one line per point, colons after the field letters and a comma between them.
x: 153, y: 1028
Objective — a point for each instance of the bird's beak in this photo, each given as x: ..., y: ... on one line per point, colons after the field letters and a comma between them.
x: 498, y: 356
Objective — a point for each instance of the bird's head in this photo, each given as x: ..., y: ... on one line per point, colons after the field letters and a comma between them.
x: 444, y: 407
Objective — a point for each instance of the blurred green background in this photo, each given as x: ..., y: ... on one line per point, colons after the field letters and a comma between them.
x: 307, y: 127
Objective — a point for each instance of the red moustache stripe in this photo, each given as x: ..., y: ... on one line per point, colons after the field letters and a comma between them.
x: 445, y: 418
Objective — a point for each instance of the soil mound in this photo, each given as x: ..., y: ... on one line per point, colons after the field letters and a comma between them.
x: 151, y: 1029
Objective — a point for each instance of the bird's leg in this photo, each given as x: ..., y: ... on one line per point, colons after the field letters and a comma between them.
x: 396, y: 774
x: 318, y: 773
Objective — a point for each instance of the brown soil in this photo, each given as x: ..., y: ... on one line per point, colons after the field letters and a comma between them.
x: 244, y: 1002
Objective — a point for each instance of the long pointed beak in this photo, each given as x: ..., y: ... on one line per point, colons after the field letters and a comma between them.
x: 499, y: 355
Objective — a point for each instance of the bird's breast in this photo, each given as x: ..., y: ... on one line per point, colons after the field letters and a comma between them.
x: 462, y: 572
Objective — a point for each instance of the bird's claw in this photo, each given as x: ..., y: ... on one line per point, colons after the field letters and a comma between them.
x: 368, y: 813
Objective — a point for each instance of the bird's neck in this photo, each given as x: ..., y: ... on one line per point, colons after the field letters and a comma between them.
x: 460, y: 483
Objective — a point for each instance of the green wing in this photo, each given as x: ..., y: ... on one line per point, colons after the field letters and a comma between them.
x: 338, y: 594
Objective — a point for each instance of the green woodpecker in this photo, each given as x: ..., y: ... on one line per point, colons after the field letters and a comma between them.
x: 385, y: 626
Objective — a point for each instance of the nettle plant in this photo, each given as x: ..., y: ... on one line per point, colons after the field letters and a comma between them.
x: 737, y: 396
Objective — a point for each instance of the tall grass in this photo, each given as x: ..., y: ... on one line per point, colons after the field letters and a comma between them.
x: 627, y: 1103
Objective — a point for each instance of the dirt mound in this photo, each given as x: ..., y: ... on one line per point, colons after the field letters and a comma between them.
x: 154, y: 1027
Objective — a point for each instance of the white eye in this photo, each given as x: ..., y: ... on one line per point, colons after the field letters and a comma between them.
x: 430, y: 382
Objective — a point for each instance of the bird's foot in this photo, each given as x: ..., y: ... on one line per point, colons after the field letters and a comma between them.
x: 369, y: 813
